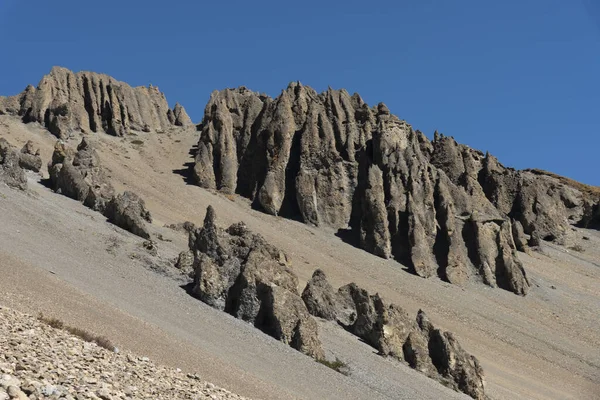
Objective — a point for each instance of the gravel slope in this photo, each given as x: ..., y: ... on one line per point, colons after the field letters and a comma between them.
x: 543, y: 346
x: 63, y: 261
x: 41, y: 361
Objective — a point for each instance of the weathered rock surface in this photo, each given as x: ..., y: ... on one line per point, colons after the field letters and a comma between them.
x: 389, y: 329
x: 80, y: 176
x: 40, y: 362
x: 128, y: 211
x: 29, y: 158
x: 66, y: 102
x: 185, y: 262
x: 11, y: 171
x: 238, y: 272
x: 178, y: 116
x: 437, y: 206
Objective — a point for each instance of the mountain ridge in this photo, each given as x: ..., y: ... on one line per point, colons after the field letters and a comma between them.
x: 437, y: 206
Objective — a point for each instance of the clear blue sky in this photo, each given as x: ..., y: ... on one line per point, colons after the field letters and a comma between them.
x: 518, y: 78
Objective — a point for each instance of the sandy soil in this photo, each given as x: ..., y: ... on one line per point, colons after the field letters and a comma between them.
x: 542, y: 346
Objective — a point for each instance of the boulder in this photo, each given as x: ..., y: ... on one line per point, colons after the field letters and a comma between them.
x: 239, y: 272
x: 29, y: 158
x: 319, y: 297
x: 128, y: 211
x: 185, y: 262
x: 11, y: 171
x: 80, y: 176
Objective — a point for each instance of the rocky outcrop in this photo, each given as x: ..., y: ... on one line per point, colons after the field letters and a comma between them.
x: 177, y: 116
x: 80, y: 176
x: 11, y: 171
x: 128, y: 211
x: 66, y: 102
x: 238, y: 272
x: 29, y: 158
x: 389, y: 329
x: 185, y: 262
x: 329, y: 159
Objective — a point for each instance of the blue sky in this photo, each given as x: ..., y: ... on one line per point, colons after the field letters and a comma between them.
x: 520, y: 79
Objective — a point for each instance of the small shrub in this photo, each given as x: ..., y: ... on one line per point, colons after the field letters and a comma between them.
x: 337, y: 365
x: 53, y: 322
x: 80, y: 333
x: 230, y: 197
x: 577, y: 248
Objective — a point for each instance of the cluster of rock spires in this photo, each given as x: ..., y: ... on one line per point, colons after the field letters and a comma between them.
x: 329, y: 159
x: 389, y: 329
x: 66, y: 102
x: 80, y: 176
x: 238, y: 272
x: 13, y: 163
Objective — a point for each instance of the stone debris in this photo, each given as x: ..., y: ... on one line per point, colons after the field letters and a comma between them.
x: 40, y: 362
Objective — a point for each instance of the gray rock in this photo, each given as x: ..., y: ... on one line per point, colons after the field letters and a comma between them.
x: 80, y: 176
x: 185, y: 261
x: 319, y: 297
x: 29, y: 158
x: 328, y: 159
x: 178, y: 116
x: 238, y: 272
x: 129, y: 212
x: 66, y: 103
x: 11, y: 172
x: 389, y: 329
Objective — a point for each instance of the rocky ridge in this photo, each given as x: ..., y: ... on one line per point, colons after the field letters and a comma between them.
x: 66, y: 102
x: 439, y: 207
x: 80, y: 176
x: 40, y: 362
x: 238, y: 272
x: 389, y: 329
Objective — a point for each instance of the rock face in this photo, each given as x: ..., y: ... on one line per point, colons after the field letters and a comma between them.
x: 328, y: 159
x: 238, y: 272
x: 80, y: 176
x: 389, y: 329
x: 66, y: 102
x: 11, y: 171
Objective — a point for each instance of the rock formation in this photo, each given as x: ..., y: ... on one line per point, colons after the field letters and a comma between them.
x: 389, y: 329
x: 80, y: 176
x: 11, y: 171
x: 29, y: 158
x: 129, y: 212
x: 66, y: 102
x: 238, y: 272
x: 329, y: 159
